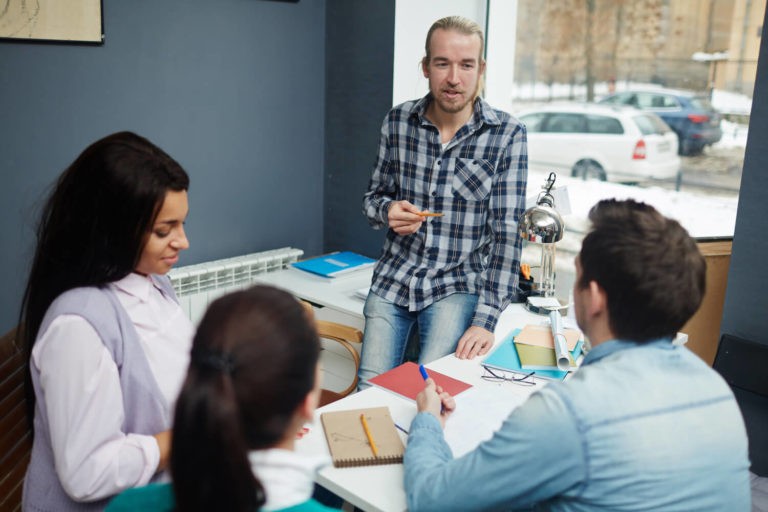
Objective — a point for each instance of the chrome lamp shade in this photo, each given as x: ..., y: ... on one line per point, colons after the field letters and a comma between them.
x: 542, y: 224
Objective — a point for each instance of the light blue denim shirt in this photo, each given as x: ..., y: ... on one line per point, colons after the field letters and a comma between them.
x: 638, y: 427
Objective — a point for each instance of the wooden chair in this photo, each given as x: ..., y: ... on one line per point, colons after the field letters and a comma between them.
x: 15, y: 433
x: 344, y: 335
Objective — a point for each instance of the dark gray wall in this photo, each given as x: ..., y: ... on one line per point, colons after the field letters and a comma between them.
x: 359, y: 65
x: 233, y: 89
x: 745, y: 312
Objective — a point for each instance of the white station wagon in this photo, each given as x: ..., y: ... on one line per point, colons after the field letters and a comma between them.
x: 590, y: 141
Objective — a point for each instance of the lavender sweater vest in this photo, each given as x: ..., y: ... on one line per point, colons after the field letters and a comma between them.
x: 146, y: 411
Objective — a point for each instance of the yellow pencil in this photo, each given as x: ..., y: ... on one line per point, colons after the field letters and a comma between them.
x: 430, y: 214
x: 369, y: 436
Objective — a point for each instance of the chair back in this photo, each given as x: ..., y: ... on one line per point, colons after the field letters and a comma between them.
x: 15, y: 432
x: 345, y: 336
x: 743, y: 364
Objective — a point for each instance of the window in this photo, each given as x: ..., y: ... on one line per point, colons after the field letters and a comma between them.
x: 650, y: 124
x: 536, y: 56
x: 604, y: 124
x: 565, y: 123
x: 533, y: 122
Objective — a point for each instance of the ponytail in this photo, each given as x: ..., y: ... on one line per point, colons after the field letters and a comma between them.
x: 208, y: 435
x: 229, y: 405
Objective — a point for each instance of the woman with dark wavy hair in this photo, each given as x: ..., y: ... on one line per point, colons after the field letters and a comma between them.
x: 253, y: 382
x: 106, y: 340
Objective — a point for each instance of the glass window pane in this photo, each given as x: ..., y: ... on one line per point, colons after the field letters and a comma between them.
x: 604, y: 124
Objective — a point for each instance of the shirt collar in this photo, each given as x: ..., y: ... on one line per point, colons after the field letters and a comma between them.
x: 481, y: 114
x: 137, y: 285
x: 611, y: 347
x: 288, y: 478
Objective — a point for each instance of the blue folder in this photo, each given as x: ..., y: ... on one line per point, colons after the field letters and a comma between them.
x: 335, y: 264
x: 504, y: 357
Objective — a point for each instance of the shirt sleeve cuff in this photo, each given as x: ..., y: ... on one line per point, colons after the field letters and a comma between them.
x: 150, y: 453
x: 427, y: 421
x: 486, y: 317
x: 384, y: 211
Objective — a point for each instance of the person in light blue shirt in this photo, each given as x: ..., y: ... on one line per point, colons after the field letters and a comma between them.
x: 642, y: 425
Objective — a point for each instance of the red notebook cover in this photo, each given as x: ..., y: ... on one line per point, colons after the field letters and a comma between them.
x: 406, y: 380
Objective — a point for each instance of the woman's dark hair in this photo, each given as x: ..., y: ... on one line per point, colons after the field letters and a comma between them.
x: 253, y: 362
x: 652, y: 272
x: 95, y: 223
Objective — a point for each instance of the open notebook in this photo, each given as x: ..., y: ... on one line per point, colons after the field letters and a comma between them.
x: 350, y: 446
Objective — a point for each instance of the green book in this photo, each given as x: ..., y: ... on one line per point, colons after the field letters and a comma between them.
x: 533, y: 357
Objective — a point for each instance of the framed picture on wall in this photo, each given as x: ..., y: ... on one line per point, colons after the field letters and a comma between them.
x: 74, y: 21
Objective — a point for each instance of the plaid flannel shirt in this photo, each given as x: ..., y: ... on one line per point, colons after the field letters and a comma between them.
x: 478, y: 182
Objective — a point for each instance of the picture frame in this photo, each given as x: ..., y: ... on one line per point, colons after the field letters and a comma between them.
x: 61, y: 21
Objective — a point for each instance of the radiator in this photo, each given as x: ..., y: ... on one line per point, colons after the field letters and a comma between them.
x: 200, y: 284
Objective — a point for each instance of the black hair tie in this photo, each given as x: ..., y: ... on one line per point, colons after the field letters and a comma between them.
x: 214, y: 360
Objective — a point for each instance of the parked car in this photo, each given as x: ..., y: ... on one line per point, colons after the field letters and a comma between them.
x: 690, y: 115
x: 602, y: 142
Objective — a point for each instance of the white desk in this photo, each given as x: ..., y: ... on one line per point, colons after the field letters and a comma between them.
x: 380, y: 488
x: 334, y: 299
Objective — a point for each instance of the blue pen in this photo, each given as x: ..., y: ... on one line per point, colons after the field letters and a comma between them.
x: 425, y: 375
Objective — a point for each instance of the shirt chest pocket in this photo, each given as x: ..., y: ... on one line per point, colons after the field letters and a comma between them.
x: 472, y: 179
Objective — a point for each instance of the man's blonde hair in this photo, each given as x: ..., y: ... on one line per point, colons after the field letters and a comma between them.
x: 461, y: 25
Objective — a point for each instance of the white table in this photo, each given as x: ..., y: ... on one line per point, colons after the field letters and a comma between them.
x: 380, y: 488
x: 334, y: 298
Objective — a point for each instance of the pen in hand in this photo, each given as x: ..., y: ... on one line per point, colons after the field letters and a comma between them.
x: 425, y: 376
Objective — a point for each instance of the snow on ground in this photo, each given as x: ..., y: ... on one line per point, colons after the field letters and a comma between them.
x: 734, y: 135
x: 704, y: 216
x: 731, y: 102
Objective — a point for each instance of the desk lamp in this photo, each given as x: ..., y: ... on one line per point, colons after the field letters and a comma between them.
x: 542, y: 224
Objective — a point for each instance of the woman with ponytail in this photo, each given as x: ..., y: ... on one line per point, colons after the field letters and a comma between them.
x: 253, y: 382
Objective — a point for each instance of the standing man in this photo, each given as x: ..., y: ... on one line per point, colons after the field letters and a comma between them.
x: 448, y: 154
x: 642, y: 425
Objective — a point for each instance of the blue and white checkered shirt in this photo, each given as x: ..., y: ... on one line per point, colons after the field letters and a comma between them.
x: 478, y: 182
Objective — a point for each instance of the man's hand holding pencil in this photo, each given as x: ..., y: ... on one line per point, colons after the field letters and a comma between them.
x: 404, y: 218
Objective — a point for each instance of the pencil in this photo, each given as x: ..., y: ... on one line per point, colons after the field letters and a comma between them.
x: 430, y: 214
x: 369, y: 436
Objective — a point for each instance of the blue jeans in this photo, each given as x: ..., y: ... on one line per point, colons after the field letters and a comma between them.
x: 389, y: 326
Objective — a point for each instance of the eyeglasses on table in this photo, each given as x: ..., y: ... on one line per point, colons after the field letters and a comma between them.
x: 494, y: 375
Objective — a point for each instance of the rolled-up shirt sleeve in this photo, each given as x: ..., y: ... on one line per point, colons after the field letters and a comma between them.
x: 83, y: 401
x: 535, y: 455
x: 382, y: 188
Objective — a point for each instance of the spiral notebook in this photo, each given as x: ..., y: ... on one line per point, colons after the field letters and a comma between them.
x: 348, y: 443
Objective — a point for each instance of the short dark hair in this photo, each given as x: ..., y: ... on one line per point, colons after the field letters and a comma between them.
x: 652, y: 271
x: 254, y: 360
x: 96, y: 221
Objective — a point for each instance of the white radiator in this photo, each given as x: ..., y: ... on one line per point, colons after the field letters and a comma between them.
x: 199, y: 285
